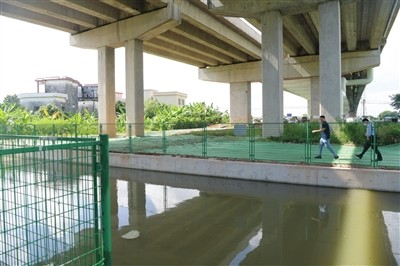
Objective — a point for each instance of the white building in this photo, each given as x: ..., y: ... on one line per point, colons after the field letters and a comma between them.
x: 168, y: 97
x: 33, y: 101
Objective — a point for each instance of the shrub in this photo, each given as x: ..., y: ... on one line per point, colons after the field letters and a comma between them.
x: 341, y: 133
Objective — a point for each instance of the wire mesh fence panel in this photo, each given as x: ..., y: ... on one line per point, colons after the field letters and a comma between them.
x: 228, y: 141
x: 50, y: 197
x: 274, y: 142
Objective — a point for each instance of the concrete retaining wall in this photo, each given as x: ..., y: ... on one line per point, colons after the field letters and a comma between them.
x: 325, y: 176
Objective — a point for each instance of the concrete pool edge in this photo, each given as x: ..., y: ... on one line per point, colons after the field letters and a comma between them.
x: 324, y: 176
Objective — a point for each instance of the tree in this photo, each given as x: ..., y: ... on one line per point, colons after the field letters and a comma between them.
x: 11, y: 100
x: 395, y: 101
x: 50, y: 111
x: 384, y: 114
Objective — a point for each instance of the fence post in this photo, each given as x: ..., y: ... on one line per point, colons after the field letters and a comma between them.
x: 252, y: 146
x: 105, y: 198
x: 164, y: 139
x: 373, y: 144
x: 95, y: 203
x: 204, y: 141
x: 130, y: 137
x: 307, y: 147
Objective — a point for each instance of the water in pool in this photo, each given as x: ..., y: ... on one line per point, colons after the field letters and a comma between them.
x: 174, y: 219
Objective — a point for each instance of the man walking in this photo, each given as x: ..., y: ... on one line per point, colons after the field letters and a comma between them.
x: 370, y: 134
x: 325, y: 138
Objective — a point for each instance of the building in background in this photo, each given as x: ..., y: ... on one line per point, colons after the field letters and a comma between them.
x: 88, y: 98
x: 71, y: 96
x: 168, y: 97
x: 33, y: 101
x: 60, y: 91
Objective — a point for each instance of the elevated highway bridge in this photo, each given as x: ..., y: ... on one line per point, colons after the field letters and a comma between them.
x: 317, y: 49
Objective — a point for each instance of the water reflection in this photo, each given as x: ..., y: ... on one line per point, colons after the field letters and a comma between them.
x: 193, y: 220
x: 47, y: 220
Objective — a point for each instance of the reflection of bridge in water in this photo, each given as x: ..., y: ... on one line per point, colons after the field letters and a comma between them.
x: 248, y: 222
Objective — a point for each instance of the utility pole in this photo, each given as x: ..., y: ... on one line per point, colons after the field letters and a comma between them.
x: 364, y: 107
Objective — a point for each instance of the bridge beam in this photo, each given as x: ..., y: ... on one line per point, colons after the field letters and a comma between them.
x: 211, y: 25
x: 293, y: 68
x: 117, y: 33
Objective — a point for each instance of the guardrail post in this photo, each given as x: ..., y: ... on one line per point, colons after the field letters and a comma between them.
x: 95, y: 202
x: 204, y: 141
x: 105, y: 198
x: 373, y: 144
x: 307, y: 146
x: 164, y: 140
x: 130, y: 137
x: 252, y: 144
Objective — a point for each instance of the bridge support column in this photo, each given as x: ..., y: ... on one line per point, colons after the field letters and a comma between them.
x: 330, y: 60
x: 272, y: 74
x: 240, y: 102
x: 313, y: 103
x: 134, y: 86
x: 106, y: 90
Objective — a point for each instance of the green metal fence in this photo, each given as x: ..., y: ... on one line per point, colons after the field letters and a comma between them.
x: 54, y: 201
x: 240, y: 141
x: 248, y: 142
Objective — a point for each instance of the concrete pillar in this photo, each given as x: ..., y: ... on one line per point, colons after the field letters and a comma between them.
x: 240, y: 102
x: 272, y: 74
x: 106, y: 90
x: 134, y: 86
x: 345, y: 102
x: 313, y: 103
x: 330, y: 60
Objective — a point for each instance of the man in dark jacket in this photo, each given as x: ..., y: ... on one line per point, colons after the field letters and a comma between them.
x: 325, y: 138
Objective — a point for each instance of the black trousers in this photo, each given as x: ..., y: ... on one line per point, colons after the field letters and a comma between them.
x: 370, y: 143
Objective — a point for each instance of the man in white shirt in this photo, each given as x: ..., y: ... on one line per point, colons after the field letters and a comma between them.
x: 371, y: 140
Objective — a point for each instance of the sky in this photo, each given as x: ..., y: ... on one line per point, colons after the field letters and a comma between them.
x: 29, y: 51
